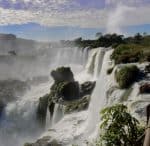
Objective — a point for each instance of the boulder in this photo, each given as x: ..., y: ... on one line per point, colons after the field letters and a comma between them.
x: 2, y: 105
x: 77, y: 105
x: 145, y: 88
x: 87, y: 88
x: 62, y: 74
x: 65, y: 91
x: 70, y: 91
x: 45, y: 141
x: 147, y: 68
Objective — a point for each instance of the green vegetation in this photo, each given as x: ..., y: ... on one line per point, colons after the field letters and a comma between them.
x: 119, y: 128
x: 128, y: 53
x: 77, y: 105
x: 101, y: 40
x: 126, y: 76
x: 134, y: 49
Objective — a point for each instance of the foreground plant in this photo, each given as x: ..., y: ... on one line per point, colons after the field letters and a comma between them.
x: 119, y: 128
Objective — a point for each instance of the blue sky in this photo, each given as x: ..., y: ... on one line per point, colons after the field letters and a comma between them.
x: 68, y: 19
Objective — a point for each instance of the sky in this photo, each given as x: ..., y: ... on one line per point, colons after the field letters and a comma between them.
x: 52, y: 20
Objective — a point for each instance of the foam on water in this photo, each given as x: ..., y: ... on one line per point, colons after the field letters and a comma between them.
x: 77, y: 128
x: 18, y: 123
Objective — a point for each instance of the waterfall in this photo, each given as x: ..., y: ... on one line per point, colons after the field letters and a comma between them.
x: 85, y: 55
x: 58, y: 113
x: 95, y: 61
x: 98, y: 99
x: 76, y: 128
x: 98, y: 61
x: 91, y: 61
x: 18, y: 123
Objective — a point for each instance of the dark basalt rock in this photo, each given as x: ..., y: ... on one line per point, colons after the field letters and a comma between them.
x: 42, y: 110
x: 45, y: 141
x: 77, y: 105
x: 87, y: 88
x: 66, y: 92
x: 147, y: 68
x: 62, y: 74
x: 145, y: 88
x: 2, y: 105
x: 64, y: 86
x: 70, y: 91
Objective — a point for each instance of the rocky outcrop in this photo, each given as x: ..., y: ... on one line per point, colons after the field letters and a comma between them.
x: 7, y: 37
x: 145, y: 88
x: 42, y: 110
x: 66, y: 92
x: 62, y: 74
x: 45, y: 141
x: 87, y: 88
x: 147, y: 68
x: 2, y: 105
x: 77, y: 105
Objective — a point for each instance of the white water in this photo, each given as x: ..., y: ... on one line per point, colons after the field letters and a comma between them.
x: 98, y: 99
x: 77, y: 128
x: 58, y: 114
x: 73, y: 128
x: 95, y: 60
x: 18, y: 124
x: 98, y: 62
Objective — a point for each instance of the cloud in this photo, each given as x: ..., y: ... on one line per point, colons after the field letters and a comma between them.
x: 69, y: 13
x: 126, y: 2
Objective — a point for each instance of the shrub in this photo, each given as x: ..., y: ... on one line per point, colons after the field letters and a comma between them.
x: 109, y: 71
x: 119, y: 128
x: 145, y: 88
x: 127, y: 53
x: 126, y: 76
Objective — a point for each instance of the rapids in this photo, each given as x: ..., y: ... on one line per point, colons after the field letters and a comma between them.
x: 78, y: 128
x: 18, y: 122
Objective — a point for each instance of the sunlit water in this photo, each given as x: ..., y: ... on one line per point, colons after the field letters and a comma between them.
x: 18, y: 123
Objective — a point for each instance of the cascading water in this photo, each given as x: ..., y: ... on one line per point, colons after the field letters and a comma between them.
x: 18, y: 123
x: 58, y: 114
x: 98, y: 99
x: 95, y: 62
x: 75, y: 128
x: 98, y: 62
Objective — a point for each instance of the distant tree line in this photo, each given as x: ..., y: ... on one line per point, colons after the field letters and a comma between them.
x: 107, y: 40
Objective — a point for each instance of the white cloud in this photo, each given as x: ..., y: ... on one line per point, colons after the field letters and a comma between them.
x: 54, y: 13
x: 126, y: 2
